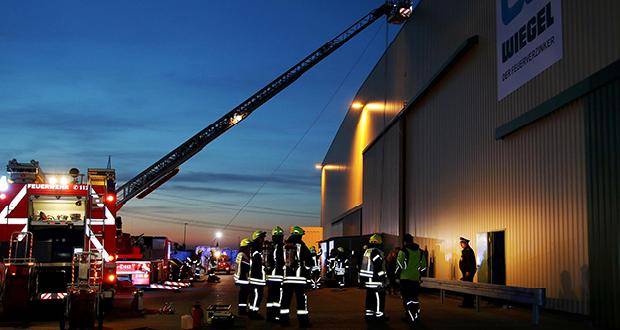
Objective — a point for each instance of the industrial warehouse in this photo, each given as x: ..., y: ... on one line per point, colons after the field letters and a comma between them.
x: 450, y: 137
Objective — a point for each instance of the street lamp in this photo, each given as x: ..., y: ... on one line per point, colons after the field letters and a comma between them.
x: 218, y: 234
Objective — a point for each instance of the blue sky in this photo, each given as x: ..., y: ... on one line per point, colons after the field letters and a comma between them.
x: 133, y: 79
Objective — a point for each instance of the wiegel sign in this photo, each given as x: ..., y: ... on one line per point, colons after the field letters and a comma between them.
x: 529, y: 40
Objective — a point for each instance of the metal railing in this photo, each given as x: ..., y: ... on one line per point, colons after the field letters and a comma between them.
x: 535, y: 297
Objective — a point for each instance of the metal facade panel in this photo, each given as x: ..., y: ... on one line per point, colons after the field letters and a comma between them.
x: 381, y: 200
x: 603, y: 150
x: 460, y: 181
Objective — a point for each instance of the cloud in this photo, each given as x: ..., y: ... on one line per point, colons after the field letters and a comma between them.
x: 300, y: 181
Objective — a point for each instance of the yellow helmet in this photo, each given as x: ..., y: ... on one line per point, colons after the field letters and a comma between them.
x: 277, y: 230
x: 297, y: 231
x: 258, y: 233
x: 245, y: 242
x: 375, y: 239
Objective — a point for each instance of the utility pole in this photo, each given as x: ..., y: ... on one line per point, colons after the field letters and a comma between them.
x: 184, y: 234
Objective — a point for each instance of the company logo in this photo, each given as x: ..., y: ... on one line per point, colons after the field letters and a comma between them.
x: 510, y: 12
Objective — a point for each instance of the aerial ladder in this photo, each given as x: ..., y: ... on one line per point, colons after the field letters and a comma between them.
x: 396, y: 11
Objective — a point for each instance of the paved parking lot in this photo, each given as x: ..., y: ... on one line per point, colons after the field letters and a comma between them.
x: 329, y: 308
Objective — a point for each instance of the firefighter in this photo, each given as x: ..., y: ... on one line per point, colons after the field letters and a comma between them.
x: 410, y: 263
x: 257, y: 273
x: 341, y: 267
x: 373, y: 275
x: 467, y: 266
x: 315, y: 272
x: 274, y: 266
x: 331, y: 264
x: 297, y: 266
x: 242, y: 275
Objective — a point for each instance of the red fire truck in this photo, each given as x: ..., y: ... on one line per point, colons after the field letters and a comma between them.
x: 45, y: 220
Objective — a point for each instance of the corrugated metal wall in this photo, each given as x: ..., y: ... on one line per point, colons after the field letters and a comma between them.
x: 460, y: 180
x: 381, y: 185
x: 603, y: 151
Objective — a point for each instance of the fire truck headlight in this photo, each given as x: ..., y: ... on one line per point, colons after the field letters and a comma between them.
x: 111, y: 258
x: 4, y: 183
x: 111, y: 278
x: 64, y: 180
x: 53, y: 180
x: 2, y: 196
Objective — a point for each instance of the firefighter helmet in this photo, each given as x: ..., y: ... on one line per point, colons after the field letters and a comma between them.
x: 258, y: 233
x: 375, y: 239
x: 245, y: 242
x: 296, y: 230
x: 340, y: 249
x: 277, y: 230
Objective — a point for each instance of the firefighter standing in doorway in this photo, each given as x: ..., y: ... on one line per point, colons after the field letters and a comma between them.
x: 274, y: 266
x: 410, y: 263
x: 373, y: 275
x: 257, y: 273
x: 467, y: 265
x: 242, y: 275
x: 297, y: 266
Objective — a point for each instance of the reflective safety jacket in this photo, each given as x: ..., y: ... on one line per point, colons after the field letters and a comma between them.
x: 372, y: 272
x: 297, y: 261
x: 315, y: 262
x: 410, y: 263
x: 257, y: 271
x: 243, y: 268
x: 341, y: 264
x: 274, y: 261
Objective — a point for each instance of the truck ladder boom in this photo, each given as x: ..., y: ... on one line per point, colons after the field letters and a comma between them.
x: 196, y: 143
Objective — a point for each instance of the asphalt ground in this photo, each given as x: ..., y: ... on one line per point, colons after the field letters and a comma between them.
x: 329, y: 309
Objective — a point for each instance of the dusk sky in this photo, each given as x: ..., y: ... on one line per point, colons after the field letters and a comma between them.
x: 134, y: 79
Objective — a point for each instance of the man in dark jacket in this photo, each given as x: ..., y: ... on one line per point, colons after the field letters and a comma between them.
x: 467, y: 265
x: 274, y: 267
x: 297, y: 267
x: 257, y: 273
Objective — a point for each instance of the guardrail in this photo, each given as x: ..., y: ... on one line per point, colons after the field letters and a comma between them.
x: 532, y: 296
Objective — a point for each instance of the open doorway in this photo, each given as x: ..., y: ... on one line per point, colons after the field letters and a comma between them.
x: 491, y: 257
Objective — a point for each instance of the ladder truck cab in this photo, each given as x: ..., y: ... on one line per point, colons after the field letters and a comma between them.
x: 45, y: 220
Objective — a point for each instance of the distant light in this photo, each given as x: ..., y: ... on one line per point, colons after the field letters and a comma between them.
x: 218, y: 234
x: 111, y: 258
x: 357, y: 105
x: 3, y: 196
x: 318, y: 166
x: 53, y: 180
x: 4, y: 183
x: 64, y: 180
x: 217, y: 254
x: 111, y: 278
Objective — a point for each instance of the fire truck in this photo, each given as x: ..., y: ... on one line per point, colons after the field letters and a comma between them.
x: 58, y: 231
x: 45, y: 220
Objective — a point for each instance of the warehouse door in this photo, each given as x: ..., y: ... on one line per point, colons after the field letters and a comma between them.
x: 491, y: 257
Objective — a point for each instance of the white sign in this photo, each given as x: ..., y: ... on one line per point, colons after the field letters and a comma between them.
x: 529, y: 40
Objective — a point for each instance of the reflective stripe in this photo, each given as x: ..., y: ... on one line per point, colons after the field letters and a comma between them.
x: 378, y: 303
x: 242, y: 282
x: 243, y: 305
x: 375, y: 257
x: 302, y: 312
x: 284, y: 311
